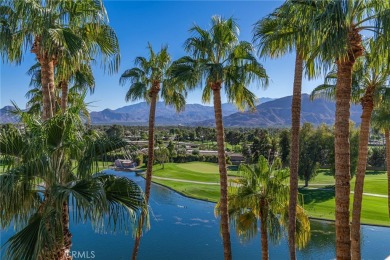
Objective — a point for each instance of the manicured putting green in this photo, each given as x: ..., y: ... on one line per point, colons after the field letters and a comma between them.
x: 199, y: 167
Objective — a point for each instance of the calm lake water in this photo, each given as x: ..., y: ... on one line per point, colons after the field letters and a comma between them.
x: 183, y: 228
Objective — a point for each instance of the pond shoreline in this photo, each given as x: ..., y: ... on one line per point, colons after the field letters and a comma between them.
x: 205, y: 200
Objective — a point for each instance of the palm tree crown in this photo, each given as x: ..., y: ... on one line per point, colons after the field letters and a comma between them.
x: 57, y: 28
x: 151, y: 75
x: 57, y: 32
x: 218, y: 57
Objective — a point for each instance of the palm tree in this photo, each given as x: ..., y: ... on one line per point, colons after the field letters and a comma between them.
x: 148, y: 79
x: 381, y: 120
x: 338, y: 26
x: 261, y: 194
x: 53, y: 30
x: 80, y: 78
x: 277, y: 35
x: 220, y: 60
x: 51, y: 165
x: 79, y: 75
x: 369, y: 83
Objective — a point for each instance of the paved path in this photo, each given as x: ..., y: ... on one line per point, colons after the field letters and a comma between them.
x: 374, y: 195
x: 364, y: 193
x: 217, y: 183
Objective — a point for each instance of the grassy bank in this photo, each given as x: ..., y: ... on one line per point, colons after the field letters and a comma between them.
x: 375, y: 181
x: 318, y: 199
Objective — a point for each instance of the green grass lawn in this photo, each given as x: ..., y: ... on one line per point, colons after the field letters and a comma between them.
x: 197, y: 191
x: 374, y: 181
x: 318, y: 202
x: 193, y: 171
x: 199, y: 167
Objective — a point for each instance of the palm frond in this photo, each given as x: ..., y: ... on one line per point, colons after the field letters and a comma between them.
x: 125, y: 201
x: 137, y: 91
x: 324, y: 91
x: 19, y: 199
x: 36, y: 238
x: 95, y: 150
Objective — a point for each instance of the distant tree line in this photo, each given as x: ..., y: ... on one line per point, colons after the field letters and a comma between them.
x: 316, y: 145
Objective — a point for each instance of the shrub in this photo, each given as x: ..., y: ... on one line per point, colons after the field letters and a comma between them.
x: 139, y: 159
x: 195, y: 152
x: 377, y: 157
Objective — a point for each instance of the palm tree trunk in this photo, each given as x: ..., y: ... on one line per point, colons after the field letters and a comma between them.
x: 342, y: 146
x: 61, y: 249
x: 64, y: 95
x: 263, y: 228
x: 225, y: 229
x: 152, y: 114
x: 47, y: 75
x: 65, y: 248
x: 342, y: 159
x: 387, y: 137
x: 294, y: 162
x: 138, y: 235
x: 367, y: 105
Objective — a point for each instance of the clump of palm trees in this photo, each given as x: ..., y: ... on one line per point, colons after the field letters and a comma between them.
x: 51, y: 166
x: 370, y: 88
x: 53, y: 159
x: 325, y: 33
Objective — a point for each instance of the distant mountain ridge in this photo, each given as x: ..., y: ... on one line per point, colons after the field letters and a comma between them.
x: 277, y: 113
x: 6, y: 115
x: 138, y: 114
x: 269, y: 113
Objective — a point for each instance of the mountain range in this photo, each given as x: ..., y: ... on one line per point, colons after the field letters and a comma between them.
x: 6, y: 115
x: 277, y: 113
x: 269, y: 113
x: 138, y: 114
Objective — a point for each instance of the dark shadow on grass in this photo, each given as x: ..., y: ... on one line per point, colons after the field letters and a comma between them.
x: 375, y: 172
x: 233, y: 168
x: 317, y: 195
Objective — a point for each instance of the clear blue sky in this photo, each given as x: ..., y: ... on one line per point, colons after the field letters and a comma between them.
x: 162, y: 22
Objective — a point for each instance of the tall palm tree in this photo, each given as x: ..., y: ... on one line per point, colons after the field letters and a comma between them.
x: 261, y: 194
x: 52, y: 164
x: 381, y: 120
x: 53, y: 30
x: 277, y: 35
x: 149, y: 81
x: 369, y: 84
x: 338, y: 26
x: 218, y: 59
